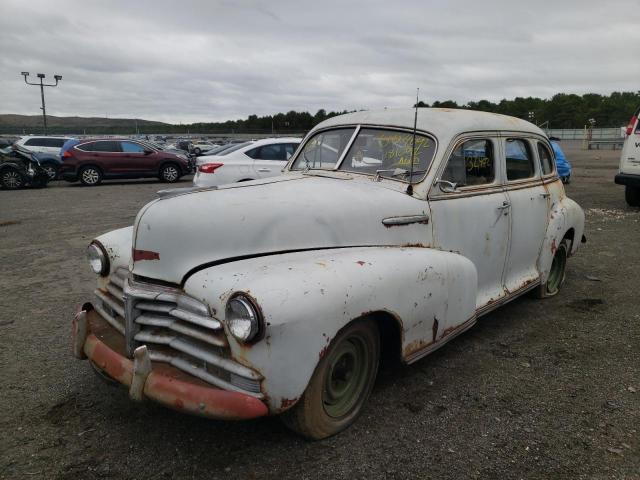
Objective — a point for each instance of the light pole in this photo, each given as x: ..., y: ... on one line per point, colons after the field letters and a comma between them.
x: 41, y: 76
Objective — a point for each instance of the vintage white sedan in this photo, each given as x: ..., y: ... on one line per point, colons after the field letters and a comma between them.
x: 279, y: 296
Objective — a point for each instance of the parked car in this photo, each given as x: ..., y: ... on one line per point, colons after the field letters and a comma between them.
x: 43, y: 144
x: 20, y: 168
x: 50, y: 163
x: 91, y: 161
x: 243, y: 162
x: 562, y: 164
x: 280, y: 296
x: 200, y: 146
x: 629, y: 174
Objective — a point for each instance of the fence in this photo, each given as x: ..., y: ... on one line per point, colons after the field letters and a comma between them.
x: 579, y: 133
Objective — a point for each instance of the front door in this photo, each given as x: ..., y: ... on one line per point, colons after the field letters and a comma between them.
x: 470, y: 214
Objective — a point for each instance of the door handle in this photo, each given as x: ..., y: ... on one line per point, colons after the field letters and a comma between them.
x: 264, y: 169
x: 504, y: 206
x: 545, y: 195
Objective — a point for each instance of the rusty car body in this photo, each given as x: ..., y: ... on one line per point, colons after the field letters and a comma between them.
x: 389, y: 231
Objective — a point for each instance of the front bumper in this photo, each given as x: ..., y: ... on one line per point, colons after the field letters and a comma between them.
x: 626, y: 179
x: 95, y: 339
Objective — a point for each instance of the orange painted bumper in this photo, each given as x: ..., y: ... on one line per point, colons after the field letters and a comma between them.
x: 166, y: 385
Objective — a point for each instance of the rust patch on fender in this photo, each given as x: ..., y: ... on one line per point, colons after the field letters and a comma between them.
x: 554, y: 247
x: 435, y: 329
x: 361, y: 263
x: 139, y: 255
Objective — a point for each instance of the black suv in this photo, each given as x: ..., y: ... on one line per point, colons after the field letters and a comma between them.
x: 19, y: 168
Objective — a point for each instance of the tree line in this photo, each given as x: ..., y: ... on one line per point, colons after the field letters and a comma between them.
x: 560, y: 111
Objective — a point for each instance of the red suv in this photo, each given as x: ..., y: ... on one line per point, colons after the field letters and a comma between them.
x: 91, y: 161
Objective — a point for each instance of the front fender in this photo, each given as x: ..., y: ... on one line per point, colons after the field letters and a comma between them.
x: 307, y: 297
x: 117, y: 244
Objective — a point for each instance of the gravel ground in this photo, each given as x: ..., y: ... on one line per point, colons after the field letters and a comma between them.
x: 537, y: 389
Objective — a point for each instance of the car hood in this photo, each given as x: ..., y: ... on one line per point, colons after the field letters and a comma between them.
x: 178, y: 235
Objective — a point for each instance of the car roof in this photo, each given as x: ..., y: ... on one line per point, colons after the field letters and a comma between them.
x: 267, y: 141
x: 444, y: 123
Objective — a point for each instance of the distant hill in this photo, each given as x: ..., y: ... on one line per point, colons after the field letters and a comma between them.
x: 10, y: 123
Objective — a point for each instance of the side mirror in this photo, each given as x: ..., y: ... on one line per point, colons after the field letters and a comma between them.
x: 447, y: 186
x: 148, y: 151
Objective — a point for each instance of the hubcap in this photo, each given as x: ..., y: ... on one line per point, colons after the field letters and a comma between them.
x: 12, y: 180
x: 557, y: 270
x: 346, y: 378
x: 170, y: 174
x: 90, y: 176
x: 51, y: 172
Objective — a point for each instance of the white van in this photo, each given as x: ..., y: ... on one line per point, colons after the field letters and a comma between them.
x: 629, y: 174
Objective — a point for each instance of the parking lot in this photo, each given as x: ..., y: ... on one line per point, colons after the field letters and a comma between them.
x: 537, y: 389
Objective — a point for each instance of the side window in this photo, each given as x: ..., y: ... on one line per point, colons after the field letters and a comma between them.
x: 253, y: 153
x: 546, y: 160
x: 54, y: 142
x: 131, y: 147
x: 272, y: 152
x: 106, y: 146
x: 471, y: 163
x: 519, y: 159
x: 324, y: 149
x: 87, y: 147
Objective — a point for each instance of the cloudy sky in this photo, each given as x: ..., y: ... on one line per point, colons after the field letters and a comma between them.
x: 213, y: 60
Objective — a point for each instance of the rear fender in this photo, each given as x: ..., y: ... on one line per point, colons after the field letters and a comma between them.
x: 307, y: 297
x: 565, y: 215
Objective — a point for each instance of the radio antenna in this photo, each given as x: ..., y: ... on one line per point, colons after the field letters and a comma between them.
x: 413, y: 145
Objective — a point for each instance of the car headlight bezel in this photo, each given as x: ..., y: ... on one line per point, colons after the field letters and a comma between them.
x: 98, y: 258
x: 243, y: 318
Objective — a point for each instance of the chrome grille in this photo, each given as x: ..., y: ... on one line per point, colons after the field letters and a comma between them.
x: 176, y: 328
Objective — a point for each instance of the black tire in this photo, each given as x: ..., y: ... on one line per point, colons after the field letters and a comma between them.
x: 632, y: 196
x: 170, y: 173
x: 52, y: 171
x: 340, y: 385
x: 90, y: 176
x: 557, y: 273
x: 197, y: 151
x: 11, y: 179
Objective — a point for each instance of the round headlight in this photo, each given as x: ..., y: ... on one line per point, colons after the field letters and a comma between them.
x: 242, y: 318
x: 98, y: 259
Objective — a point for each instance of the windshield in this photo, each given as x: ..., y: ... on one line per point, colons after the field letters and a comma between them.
x: 374, y: 151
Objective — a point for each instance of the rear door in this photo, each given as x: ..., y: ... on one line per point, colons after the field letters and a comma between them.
x: 269, y: 160
x: 528, y: 210
x: 107, y: 154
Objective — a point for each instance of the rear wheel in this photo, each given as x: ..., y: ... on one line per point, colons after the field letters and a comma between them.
x: 169, y: 173
x: 90, y: 176
x: 632, y: 196
x: 340, y: 385
x: 557, y: 273
x: 197, y: 151
x: 12, y: 179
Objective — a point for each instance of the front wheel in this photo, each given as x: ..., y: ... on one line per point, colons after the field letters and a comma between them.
x: 557, y: 273
x: 12, y: 179
x: 340, y: 385
x: 197, y: 151
x: 632, y: 196
x: 169, y: 173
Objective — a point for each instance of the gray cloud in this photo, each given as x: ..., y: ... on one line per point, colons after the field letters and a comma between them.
x: 217, y: 60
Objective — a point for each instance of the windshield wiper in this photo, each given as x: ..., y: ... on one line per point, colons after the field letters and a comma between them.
x: 396, y: 172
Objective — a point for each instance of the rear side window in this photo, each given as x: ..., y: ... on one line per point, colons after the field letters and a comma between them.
x: 546, y: 160
x: 519, y: 159
x: 272, y: 152
x: 54, y: 142
x: 471, y: 163
x: 290, y: 148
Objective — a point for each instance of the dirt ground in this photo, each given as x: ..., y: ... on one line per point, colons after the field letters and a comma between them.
x: 537, y: 389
